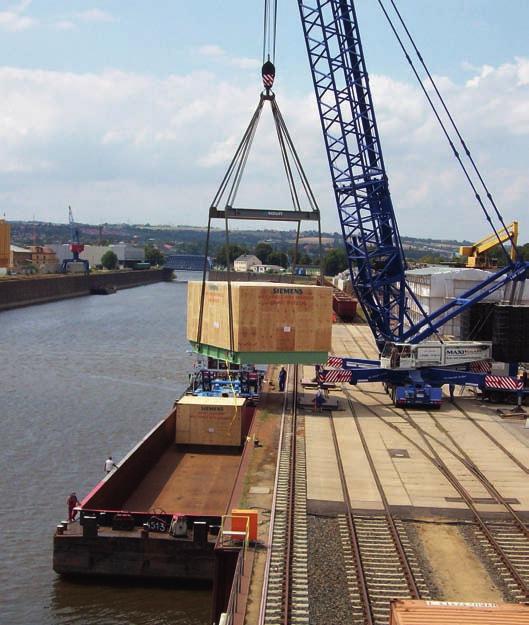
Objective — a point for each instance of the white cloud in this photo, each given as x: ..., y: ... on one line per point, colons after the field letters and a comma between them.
x: 95, y: 15
x: 13, y: 18
x: 64, y: 25
x: 213, y: 51
x: 128, y: 146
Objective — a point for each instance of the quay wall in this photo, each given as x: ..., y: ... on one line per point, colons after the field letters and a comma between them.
x: 26, y: 291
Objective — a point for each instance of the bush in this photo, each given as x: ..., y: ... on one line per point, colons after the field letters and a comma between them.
x: 109, y: 260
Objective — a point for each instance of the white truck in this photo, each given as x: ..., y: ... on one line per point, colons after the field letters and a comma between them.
x: 433, y: 354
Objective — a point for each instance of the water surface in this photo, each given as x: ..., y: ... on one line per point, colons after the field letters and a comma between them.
x: 82, y: 379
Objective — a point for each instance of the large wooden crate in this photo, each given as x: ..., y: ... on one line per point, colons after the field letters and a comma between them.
x: 209, y: 420
x: 268, y: 318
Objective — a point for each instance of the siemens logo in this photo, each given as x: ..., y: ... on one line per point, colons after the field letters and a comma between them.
x: 286, y: 291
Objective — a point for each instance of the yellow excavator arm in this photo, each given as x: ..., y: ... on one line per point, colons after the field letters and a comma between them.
x: 477, y: 253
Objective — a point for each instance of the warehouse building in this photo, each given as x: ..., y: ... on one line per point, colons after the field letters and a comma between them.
x: 128, y: 255
x: 436, y: 286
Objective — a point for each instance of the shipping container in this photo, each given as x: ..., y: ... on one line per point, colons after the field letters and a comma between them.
x: 268, y: 318
x: 416, y: 612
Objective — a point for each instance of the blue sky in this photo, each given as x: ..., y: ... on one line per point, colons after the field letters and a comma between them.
x: 130, y: 111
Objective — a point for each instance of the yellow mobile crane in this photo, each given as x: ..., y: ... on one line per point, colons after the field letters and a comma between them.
x: 477, y: 254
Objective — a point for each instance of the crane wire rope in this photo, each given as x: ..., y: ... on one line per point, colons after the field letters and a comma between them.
x: 444, y: 128
x: 455, y: 127
x: 269, y: 30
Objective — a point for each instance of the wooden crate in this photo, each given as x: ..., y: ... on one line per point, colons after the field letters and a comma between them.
x: 267, y: 317
x: 209, y: 420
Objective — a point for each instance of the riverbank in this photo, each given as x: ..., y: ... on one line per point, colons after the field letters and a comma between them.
x: 26, y: 291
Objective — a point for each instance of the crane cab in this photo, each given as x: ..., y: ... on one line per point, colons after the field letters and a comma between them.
x: 398, y: 356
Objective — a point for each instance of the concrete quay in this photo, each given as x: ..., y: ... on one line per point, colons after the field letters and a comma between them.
x: 416, y: 490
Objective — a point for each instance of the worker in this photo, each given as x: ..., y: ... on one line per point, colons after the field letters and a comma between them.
x: 451, y: 389
x: 319, y: 400
x: 282, y: 379
x: 109, y: 465
x: 72, y: 502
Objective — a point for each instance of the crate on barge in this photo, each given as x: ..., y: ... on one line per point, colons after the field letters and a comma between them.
x: 211, y: 421
x: 271, y: 322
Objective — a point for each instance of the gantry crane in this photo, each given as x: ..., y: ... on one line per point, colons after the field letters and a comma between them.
x: 478, y: 254
x: 374, y: 250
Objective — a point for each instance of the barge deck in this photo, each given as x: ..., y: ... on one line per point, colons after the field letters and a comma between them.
x: 197, y: 482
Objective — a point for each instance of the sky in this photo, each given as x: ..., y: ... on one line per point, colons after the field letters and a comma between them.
x: 131, y: 111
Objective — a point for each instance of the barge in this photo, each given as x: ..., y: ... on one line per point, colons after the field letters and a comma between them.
x: 159, y: 513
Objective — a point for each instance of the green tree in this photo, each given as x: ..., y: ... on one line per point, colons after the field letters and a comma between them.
x: 153, y: 255
x: 334, y: 261
x: 278, y: 258
x: 232, y: 252
x: 263, y: 251
x: 109, y: 260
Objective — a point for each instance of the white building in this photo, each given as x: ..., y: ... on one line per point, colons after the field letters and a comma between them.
x: 127, y: 254
x: 436, y: 286
x: 245, y: 262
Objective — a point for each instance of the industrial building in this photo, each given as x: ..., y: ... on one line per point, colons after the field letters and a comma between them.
x: 435, y: 286
x: 5, y: 242
x: 127, y: 254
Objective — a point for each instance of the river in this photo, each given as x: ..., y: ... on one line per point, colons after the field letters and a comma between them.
x: 82, y: 379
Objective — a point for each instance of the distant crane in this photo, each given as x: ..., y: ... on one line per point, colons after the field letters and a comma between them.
x: 76, y: 247
x: 477, y: 254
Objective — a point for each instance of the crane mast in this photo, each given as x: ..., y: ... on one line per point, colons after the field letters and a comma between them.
x: 369, y: 228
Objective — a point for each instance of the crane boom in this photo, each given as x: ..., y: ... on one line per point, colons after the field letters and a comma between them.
x: 369, y: 228
x: 476, y: 253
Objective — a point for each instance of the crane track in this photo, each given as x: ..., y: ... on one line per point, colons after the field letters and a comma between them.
x: 379, y: 559
x: 285, y: 591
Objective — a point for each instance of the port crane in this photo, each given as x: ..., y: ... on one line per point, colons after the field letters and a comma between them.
x: 75, y: 247
x: 477, y: 254
x: 373, y: 245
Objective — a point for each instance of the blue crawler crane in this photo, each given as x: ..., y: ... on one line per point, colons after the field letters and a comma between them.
x: 374, y: 250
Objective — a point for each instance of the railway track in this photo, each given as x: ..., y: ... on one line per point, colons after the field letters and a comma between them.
x: 285, y: 589
x: 380, y: 562
x: 507, y: 543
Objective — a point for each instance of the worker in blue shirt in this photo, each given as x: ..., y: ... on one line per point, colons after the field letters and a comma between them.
x: 282, y: 379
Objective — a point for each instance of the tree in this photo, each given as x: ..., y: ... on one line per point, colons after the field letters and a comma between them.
x: 263, y: 251
x: 278, y: 258
x: 334, y: 261
x: 153, y: 255
x: 109, y: 260
x: 232, y: 252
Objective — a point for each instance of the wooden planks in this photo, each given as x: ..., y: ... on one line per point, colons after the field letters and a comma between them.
x: 267, y: 317
x: 209, y: 420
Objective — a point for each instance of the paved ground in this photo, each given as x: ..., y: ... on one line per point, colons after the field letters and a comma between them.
x: 410, y: 481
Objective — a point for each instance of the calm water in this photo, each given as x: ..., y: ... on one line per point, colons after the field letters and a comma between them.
x: 82, y: 379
